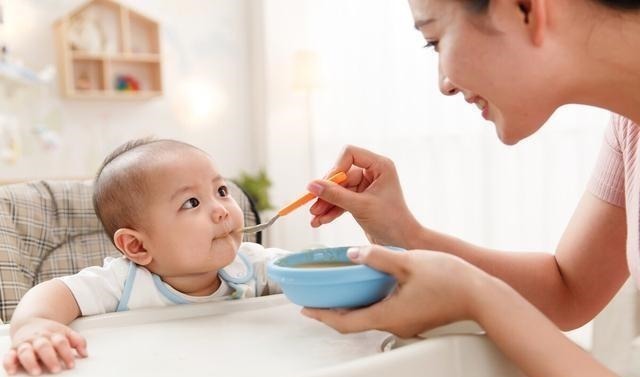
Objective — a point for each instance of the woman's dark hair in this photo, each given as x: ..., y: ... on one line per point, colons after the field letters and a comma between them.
x: 482, y: 5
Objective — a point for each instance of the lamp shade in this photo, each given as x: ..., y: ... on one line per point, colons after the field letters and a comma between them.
x: 306, y: 70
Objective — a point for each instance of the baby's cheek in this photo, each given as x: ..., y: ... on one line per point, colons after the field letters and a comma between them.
x: 238, y: 219
x: 237, y: 238
x: 237, y: 215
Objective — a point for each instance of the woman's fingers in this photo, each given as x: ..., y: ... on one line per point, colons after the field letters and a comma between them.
x: 362, y: 167
x: 348, y: 321
x: 392, y: 262
x: 360, y: 157
x: 343, y: 322
x: 334, y: 194
x: 320, y: 207
x: 354, y: 182
x: 328, y: 217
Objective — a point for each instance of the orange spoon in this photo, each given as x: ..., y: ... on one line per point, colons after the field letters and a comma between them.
x: 337, y: 178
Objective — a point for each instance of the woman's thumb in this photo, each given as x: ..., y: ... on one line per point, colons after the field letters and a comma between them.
x: 381, y: 259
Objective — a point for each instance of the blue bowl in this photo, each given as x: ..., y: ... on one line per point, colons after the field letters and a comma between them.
x: 329, y: 287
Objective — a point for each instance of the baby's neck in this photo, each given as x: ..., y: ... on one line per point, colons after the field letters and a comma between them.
x: 195, y: 285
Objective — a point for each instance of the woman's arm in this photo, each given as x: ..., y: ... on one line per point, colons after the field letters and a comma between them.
x: 527, y: 337
x: 570, y: 287
x: 573, y: 285
x: 437, y: 288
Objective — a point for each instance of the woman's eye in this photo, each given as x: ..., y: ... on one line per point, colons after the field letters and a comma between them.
x: 191, y: 203
x: 223, y: 191
x: 432, y: 44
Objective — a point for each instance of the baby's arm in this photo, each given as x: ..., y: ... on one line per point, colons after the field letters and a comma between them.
x: 39, y: 331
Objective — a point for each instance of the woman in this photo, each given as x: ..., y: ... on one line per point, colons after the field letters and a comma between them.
x: 518, y: 61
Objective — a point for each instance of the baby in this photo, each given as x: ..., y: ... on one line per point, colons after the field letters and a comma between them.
x: 166, y: 207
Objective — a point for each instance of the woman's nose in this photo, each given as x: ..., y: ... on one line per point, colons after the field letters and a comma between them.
x: 219, y: 213
x: 446, y: 87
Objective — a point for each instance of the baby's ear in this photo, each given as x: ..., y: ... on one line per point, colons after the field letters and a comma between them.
x: 130, y: 243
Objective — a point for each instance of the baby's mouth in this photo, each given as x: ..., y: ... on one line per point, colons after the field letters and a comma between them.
x: 228, y: 230
x: 231, y: 228
x: 221, y: 236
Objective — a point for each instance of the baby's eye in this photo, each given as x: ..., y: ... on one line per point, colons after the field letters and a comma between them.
x: 223, y: 191
x: 191, y: 203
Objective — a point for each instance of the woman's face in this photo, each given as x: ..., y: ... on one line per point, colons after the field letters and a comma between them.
x: 493, y: 58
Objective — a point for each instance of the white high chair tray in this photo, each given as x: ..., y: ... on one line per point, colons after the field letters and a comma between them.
x: 265, y: 336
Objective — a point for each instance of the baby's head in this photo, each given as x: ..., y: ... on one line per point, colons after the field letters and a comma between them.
x: 166, y: 207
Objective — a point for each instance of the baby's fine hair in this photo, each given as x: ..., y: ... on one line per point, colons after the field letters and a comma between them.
x: 120, y: 188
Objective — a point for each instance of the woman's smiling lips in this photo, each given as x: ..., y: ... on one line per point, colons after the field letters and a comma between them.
x: 481, y: 104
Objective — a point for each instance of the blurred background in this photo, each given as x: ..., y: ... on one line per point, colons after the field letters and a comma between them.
x: 273, y: 90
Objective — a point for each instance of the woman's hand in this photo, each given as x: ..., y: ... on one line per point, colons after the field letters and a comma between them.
x: 372, y: 194
x: 433, y: 289
x: 42, y: 342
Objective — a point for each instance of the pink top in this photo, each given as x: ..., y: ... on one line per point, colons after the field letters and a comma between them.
x: 616, y: 179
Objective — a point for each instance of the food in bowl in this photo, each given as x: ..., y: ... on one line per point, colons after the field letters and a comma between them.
x: 326, y: 278
x: 325, y: 264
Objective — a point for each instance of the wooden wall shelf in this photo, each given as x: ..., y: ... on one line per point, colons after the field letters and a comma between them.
x: 108, y: 51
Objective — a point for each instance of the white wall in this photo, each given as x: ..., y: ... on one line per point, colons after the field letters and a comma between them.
x: 286, y: 154
x: 204, y: 41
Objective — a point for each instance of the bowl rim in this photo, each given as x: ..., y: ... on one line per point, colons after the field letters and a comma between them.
x: 323, y: 275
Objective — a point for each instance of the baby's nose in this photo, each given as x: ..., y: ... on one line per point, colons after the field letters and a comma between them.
x: 219, y: 213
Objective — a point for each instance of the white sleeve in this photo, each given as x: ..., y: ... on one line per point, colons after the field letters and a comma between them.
x: 97, y: 290
x: 260, y: 257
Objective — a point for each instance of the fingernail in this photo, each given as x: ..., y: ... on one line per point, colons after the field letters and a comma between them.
x: 358, y: 253
x: 353, y: 253
x: 315, y: 188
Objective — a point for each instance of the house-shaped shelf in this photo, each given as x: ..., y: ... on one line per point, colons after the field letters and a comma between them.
x: 108, y: 51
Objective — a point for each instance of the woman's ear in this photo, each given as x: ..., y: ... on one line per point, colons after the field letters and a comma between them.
x: 130, y: 243
x: 534, y: 15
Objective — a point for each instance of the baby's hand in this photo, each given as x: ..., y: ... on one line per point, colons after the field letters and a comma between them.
x: 43, y: 342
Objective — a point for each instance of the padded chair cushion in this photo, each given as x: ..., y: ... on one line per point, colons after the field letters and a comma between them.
x: 49, y: 229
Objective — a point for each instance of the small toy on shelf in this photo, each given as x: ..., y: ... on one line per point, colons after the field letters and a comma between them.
x: 108, y: 52
x: 86, y: 33
x: 127, y: 83
x: 83, y: 82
